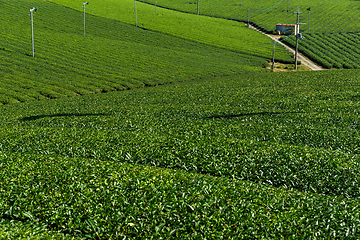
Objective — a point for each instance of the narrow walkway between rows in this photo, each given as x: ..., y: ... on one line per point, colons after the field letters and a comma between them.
x: 304, y: 61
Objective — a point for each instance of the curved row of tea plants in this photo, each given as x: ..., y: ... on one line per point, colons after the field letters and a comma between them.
x: 330, y: 50
x: 96, y: 199
x: 268, y: 155
x: 325, y: 17
x: 112, y: 56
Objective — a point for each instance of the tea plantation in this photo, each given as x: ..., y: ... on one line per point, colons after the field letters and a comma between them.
x: 222, y: 33
x: 266, y: 155
x: 111, y: 56
x: 327, y: 16
x: 334, y: 25
x: 337, y: 50
x: 229, y: 150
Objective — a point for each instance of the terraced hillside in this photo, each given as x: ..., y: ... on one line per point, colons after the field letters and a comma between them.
x: 321, y: 20
x: 216, y: 32
x: 327, y: 16
x: 112, y: 56
x: 244, y: 155
x: 337, y: 50
x: 271, y: 155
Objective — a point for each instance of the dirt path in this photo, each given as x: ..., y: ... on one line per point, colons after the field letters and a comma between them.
x: 304, y: 61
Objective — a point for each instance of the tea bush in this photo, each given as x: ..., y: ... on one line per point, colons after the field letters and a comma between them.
x: 266, y: 155
x: 330, y: 50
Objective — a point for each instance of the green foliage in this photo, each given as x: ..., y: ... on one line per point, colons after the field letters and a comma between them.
x: 105, y: 199
x: 231, y: 35
x: 251, y: 155
x: 23, y: 229
x: 326, y: 16
x: 111, y: 57
x: 336, y: 50
x: 270, y: 155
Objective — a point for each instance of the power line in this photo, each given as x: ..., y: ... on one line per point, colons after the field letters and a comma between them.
x: 265, y: 10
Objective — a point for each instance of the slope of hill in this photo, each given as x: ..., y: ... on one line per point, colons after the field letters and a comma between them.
x: 326, y: 16
x: 272, y: 155
x: 255, y: 155
x: 112, y: 56
x: 216, y: 32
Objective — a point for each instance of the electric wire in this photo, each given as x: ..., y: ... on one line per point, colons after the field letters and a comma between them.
x: 266, y: 10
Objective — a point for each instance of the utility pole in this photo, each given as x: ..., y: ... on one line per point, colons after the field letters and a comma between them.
x: 198, y: 8
x: 273, y: 59
x: 308, y: 20
x: 297, y: 34
x: 85, y: 3
x: 248, y: 25
x: 32, y: 30
x: 135, y: 15
x: 288, y: 5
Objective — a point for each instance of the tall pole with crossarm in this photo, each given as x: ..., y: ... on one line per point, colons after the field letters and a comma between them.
x: 198, y: 7
x: 34, y: 9
x: 248, y: 23
x: 155, y: 7
x: 273, y: 59
x: 85, y: 3
x: 298, y: 35
x: 288, y: 5
x: 308, y: 20
x: 297, y: 38
x: 135, y: 15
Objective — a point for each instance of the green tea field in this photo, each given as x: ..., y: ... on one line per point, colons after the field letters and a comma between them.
x: 337, y: 50
x: 326, y: 16
x: 262, y: 155
x: 321, y: 19
x: 231, y: 35
x: 111, y: 56
x: 174, y: 128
